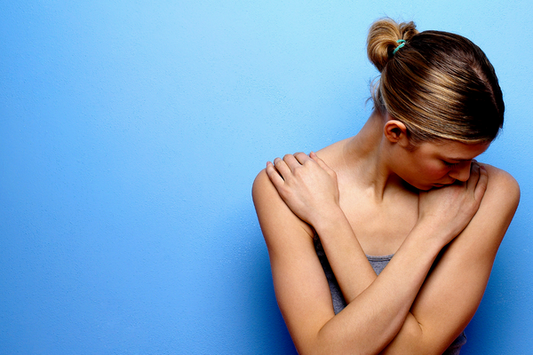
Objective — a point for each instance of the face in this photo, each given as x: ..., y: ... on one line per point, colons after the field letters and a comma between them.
x: 436, y: 164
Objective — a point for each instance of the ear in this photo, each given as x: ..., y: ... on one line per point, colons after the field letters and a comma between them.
x: 396, y: 132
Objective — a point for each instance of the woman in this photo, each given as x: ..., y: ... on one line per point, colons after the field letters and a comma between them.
x: 405, y: 193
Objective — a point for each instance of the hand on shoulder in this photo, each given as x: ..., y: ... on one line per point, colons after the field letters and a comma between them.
x: 306, y: 184
x: 273, y: 213
x: 449, y: 209
x: 487, y: 228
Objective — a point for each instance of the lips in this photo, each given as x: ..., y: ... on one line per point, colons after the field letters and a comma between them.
x: 446, y: 184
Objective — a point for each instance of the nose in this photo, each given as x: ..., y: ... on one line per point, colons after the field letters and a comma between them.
x: 461, y: 172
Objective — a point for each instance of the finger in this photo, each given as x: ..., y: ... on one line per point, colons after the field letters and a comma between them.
x: 474, y: 176
x: 282, y: 168
x: 482, y: 183
x: 274, y: 175
x: 321, y: 163
x: 291, y: 161
x: 302, y: 157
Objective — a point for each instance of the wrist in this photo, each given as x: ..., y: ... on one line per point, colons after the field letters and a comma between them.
x: 431, y: 236
x: 329, y: 219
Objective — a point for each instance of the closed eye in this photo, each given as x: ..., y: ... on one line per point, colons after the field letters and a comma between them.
x: 447, y: 163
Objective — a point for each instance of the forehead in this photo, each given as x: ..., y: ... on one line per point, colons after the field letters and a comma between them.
x: 453, y: 150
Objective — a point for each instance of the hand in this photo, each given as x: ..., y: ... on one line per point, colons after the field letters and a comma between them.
x: 306, y: 184
x: 450, y: 209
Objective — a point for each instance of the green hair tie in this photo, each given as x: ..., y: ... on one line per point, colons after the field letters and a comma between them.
x: 402, y: 43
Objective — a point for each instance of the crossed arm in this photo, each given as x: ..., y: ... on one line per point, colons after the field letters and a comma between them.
x: 407, y: 309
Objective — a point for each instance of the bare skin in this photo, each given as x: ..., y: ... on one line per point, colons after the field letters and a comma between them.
x: 372, y: 195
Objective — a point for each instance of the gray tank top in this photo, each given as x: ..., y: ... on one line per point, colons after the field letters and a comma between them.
x: 378, y: 264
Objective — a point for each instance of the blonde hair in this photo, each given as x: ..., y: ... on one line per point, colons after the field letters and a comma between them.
x: 439, y: 84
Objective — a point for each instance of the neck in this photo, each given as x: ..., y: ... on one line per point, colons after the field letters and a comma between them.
x: 367, y: 155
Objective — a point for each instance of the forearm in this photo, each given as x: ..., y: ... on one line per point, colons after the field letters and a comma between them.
x: 377, y: 306
x: 382, y: 315
x: 345, y: 255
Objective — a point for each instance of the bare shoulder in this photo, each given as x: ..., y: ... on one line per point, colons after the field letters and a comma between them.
x: 488, y: 227
x: 264, y: 194
x: 452, y: 292
x: 262, y: 188
x: 502, y: 188
x: 275, y: 217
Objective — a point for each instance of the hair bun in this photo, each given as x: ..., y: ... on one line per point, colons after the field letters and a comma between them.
x: 382, y: 39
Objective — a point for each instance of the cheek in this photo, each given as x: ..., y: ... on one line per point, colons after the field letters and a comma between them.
x: 433, y: 171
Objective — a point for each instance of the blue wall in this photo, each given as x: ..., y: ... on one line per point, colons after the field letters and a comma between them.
x: 131, y: 132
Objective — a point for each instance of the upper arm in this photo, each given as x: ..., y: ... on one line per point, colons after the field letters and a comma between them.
x: 301, y: 287
x: 452, y: 292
